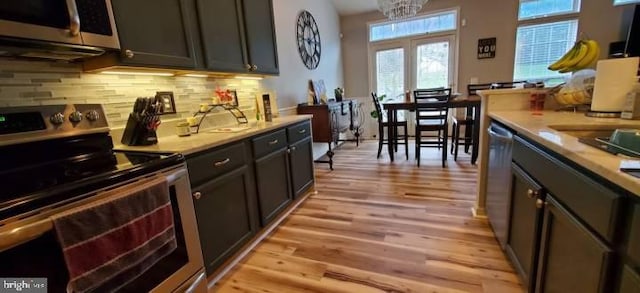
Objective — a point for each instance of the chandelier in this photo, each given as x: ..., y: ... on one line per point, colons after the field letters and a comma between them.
x: 399, y: 9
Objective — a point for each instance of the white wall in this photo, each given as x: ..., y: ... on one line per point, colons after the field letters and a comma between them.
x: 291, y: 86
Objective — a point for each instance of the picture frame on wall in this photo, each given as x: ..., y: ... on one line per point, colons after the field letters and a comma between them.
x: 168, y: 102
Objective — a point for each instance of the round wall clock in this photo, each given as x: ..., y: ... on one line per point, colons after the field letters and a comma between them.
x: 308, y: 40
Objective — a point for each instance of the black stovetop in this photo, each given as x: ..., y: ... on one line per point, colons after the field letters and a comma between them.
x: 35, y: 175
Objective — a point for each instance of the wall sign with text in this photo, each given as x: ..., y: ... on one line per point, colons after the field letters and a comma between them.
x: 487, y: 48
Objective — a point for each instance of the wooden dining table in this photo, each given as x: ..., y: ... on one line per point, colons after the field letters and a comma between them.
x: 472, y: 102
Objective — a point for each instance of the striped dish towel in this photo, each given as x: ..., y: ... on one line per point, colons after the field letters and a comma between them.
x: 109, y: 243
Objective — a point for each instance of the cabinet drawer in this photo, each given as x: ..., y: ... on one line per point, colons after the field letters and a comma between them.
x: 269, y: 143
x: 633, y: 248
x: 592, y: 202
x: 630, y: 281
x: 216, y: 163
x: 298, y: 132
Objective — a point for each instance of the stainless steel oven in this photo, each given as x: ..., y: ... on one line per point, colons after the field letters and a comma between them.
x: 52, y: 165
x: 87, y: 23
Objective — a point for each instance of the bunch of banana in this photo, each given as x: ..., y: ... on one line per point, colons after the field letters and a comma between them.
x: 583, y: 54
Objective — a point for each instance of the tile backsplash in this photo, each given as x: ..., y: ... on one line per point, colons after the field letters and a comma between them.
x: 29, y: 83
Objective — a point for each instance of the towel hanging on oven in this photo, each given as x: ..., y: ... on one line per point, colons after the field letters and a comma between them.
x: 109, y: 243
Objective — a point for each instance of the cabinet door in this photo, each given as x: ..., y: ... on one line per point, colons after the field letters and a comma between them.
x: 301, y: 163
x: 222, y: 31
x: 156, y: 33
x: 224, y: 216
x: 572, y: 259
x: 261, y: 35
x: 525, y: 224
x: 272, y: 179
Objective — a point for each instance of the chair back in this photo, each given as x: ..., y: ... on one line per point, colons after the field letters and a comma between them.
x: 472, y: 89
x: 432, y: 106
x: 378, y: 108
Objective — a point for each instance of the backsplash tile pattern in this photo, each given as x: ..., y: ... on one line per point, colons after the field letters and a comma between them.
x: 30, y: 83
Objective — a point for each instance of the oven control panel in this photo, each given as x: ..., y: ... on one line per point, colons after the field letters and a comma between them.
x: 24, y: 124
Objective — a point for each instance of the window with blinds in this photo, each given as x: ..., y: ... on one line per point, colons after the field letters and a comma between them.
x: 539, y: 45
x: 622, y: 2
x: 425, y: 24
x: 547, y: 30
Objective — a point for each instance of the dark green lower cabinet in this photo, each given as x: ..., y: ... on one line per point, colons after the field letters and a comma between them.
x: 301, y: 161
x: 224, y: 216
x: 571, y: 258
x: 272, y: 181
x: 525, y: 224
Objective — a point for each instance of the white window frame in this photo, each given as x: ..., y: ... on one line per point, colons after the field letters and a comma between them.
x: 455, y: 11
x: 625, y: 2
x: 405, y: 42
x: 558, y: 17
x: 576, y: 3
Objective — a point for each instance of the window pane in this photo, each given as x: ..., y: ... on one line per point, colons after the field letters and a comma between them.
x: 433, y: 65
x: 541, y: 8
x: 620, y: 2
x: 390, y: 72
x: 537, y: 46
x: 414, y: 26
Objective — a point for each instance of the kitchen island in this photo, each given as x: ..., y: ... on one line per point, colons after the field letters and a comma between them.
x: 572, y: 217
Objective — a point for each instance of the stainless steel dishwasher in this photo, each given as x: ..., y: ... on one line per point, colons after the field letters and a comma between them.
x: 499, y: 180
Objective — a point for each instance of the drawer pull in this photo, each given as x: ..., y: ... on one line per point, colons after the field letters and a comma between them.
x: 222, y: 163
x: 273, y: 142
x: 302, y: 131
x: 531, y: 193
x: 197, y: 195
x: 540, y: 203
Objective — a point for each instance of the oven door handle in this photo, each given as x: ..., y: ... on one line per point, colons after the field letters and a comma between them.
x: 23, y: 234
x: 38, y: 226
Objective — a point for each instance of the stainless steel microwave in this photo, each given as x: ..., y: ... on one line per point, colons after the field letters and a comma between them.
x: 66, y: 26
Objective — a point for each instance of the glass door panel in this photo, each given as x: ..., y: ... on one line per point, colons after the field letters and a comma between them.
x: 433, y: 62
x: 389, y: 74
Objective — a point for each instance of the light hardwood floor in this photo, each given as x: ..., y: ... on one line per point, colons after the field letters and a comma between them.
x: 380, y: 227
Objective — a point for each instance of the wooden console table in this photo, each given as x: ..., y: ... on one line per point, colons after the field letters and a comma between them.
x: 331, y: 119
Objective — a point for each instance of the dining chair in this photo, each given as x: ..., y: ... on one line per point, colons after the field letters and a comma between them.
x: 382, y: 123
x: 467, y: 120
x: 432, y: 111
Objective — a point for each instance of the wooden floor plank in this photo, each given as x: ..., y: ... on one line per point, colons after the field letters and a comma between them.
x: 376, y: 226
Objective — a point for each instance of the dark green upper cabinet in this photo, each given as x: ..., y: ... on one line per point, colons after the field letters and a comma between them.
x: 238, y: 36
x: 157, y: 33
x: 261, y: 35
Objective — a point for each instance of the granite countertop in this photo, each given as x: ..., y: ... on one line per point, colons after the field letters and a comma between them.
x: 543, y: 129
x: 207, y: 139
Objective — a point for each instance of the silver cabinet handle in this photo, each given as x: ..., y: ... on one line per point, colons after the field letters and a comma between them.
x: 254, y: 67
x: 273, y: 142
x: 222, y: 163
x: 129, y: 54
x: 74, y: 18
x: 247, y: 66
x: 293, y: 148
x: 531, y: 193
x: 197, y: 195
x: 540, y: 203
x: 302, y: 131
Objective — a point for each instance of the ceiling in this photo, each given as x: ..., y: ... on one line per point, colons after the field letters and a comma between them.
x: 348, y: 7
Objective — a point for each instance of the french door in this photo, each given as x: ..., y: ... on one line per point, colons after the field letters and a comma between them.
x: 411, y: 63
